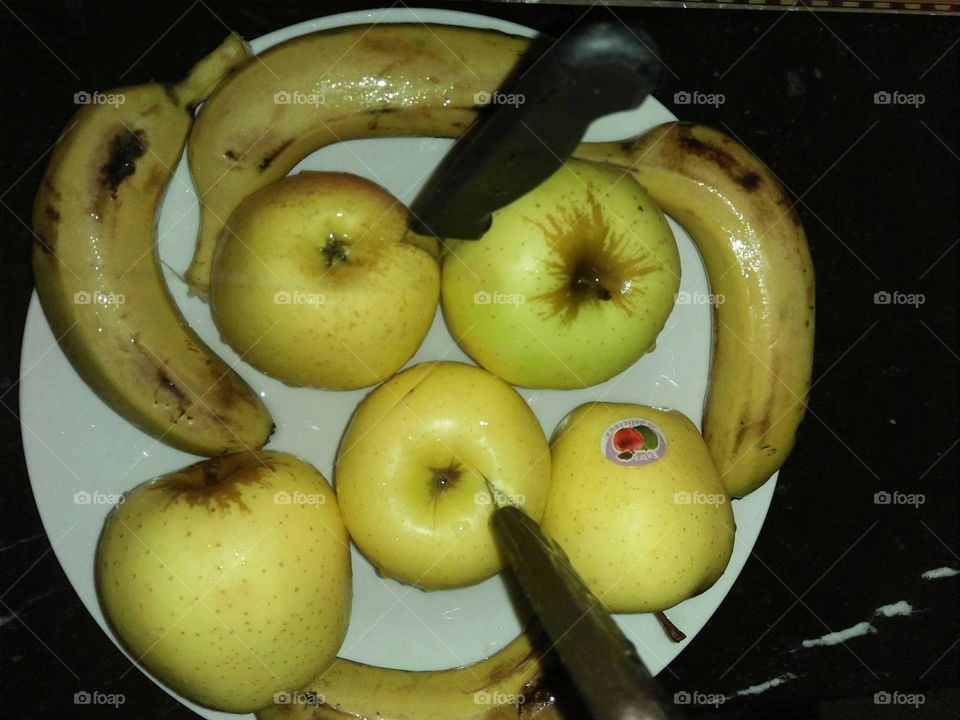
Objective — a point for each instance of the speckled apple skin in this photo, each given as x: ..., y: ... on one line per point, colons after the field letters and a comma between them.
x: 583, y: 211
x: 627, y: 530
x: 229, y: 595
x: 347, y: 326
x: 428, y: 417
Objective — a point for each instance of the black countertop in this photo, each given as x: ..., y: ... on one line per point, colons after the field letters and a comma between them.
x: 876, y: 187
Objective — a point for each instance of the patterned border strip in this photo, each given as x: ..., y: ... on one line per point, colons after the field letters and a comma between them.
x: 918, y: 6
x: 928, y: 7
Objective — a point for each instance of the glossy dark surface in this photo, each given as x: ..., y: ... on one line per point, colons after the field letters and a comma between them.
x: 876, y: 188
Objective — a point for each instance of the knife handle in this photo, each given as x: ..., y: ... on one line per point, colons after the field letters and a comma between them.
x: 533, y: 123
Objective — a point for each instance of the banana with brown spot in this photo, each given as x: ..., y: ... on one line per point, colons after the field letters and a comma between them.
x: 98, y: 274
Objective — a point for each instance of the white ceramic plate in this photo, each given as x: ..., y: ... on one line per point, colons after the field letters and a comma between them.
x: 75, y: 444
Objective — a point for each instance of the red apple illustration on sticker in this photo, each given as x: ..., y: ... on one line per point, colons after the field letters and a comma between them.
x: 627, y: 440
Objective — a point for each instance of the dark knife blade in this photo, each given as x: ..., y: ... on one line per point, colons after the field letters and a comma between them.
x: 533, y: 123
x: 613, y: 682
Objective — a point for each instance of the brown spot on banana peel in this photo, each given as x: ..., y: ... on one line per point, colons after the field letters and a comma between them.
x: 171, y: 387
x: 761, y: 427
x: 46, y: 217
x: 47, y: 230
x: 126, y: 147
x: 378, y: 113
x: 171, y: 92
x: 45, y: 246
x: 51, y: 188
x: 747, y: 179
x: 738, y: 441
x: 225, y: 391
x: 273, y: 154
x: 505, y: 669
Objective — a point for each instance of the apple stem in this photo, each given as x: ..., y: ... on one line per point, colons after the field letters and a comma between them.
x: 672, y: 631
x: 335, y: 251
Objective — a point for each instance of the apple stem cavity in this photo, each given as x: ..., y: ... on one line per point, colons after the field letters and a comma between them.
x: 672, y: 631
x: 216, y: 482
x: 586, y: 280
x: 446, y: 478
x: 335, y: 250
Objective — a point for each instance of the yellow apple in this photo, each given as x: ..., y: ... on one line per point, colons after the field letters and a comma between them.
x: 422, y: 461
x: 229, y: 580
x: 569, y: 286
x: 638, y: 505
x: 316, y: 281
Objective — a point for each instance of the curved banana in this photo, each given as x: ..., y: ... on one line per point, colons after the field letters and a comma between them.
x: 509, y: 684
x: 759, y: 267
x: 98, y: 273
x: 355, y: 82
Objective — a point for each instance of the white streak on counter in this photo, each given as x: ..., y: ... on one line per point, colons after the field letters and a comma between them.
x: 835, y: 638
x: 898, y: 609
x: 892, y: 610
x: 764, y: 686
x: 939, y: 573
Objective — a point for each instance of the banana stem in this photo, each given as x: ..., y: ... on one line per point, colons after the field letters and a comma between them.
x: 210, y: 71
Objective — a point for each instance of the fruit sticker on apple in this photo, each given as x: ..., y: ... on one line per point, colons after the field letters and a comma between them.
x: 633, y: 441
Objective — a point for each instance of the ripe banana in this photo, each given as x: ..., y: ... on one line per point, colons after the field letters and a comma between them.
x: 98, y: 273
x: 509, y: 684
x: 759, y: 267
x: 355, y: 82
